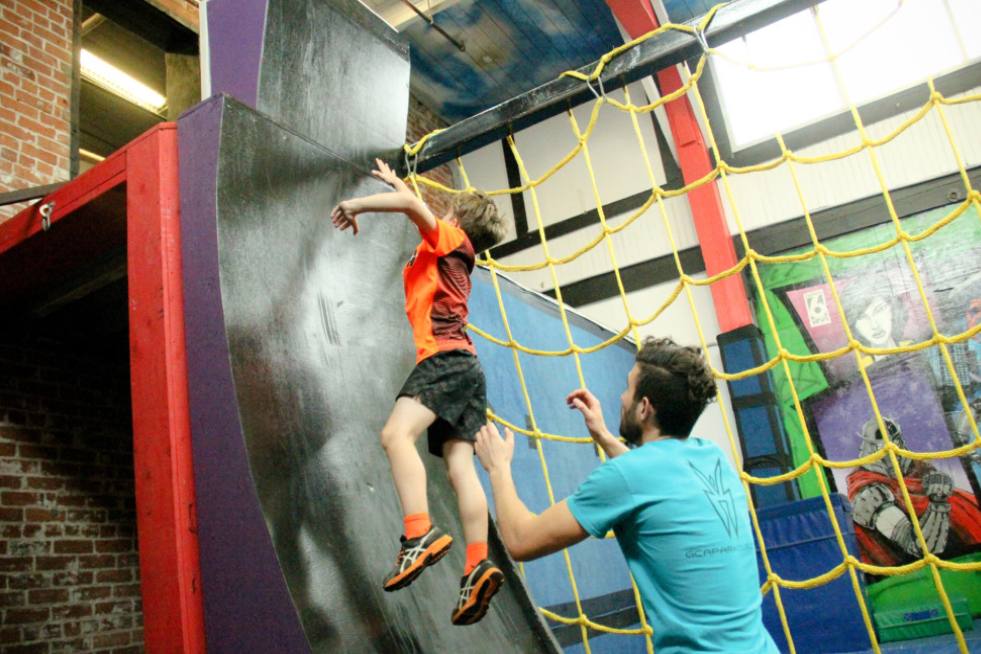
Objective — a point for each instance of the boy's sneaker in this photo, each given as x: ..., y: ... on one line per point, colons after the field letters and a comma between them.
x: 416, y: 555
x: 476, y: 591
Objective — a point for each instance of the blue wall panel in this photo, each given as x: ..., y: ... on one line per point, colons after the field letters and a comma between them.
x: 599, y: 568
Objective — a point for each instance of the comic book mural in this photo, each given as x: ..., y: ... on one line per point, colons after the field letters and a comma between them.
x: 923, y: 407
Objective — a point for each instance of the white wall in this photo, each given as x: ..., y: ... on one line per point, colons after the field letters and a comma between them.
x: 920, y: 153
x: 678, y: 323
x: 620, y: 172
x: 485, y: 170
x: 766, y: 198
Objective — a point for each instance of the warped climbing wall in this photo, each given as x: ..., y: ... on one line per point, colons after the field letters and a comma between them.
x: 297, y: 344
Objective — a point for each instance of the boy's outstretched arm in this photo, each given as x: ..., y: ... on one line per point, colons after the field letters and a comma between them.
x: 400, y: 200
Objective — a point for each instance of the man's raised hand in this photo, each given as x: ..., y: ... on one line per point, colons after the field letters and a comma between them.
x: 494, y: 452
x: 592, y: 413
x: 586, y: 403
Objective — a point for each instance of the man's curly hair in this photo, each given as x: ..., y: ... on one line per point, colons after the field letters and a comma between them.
x: 677, y: 381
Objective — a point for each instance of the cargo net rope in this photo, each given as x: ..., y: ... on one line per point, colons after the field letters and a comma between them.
x: 721, y: 173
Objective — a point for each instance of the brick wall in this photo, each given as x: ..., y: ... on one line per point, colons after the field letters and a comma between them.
x: 35, y: 92
x: 69, y: 569
x: 423, y: 120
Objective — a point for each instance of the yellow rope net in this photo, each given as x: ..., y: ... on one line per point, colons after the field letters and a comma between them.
x: 722, y: 172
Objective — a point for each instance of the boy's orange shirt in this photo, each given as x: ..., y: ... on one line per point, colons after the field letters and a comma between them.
x: 437, y: 287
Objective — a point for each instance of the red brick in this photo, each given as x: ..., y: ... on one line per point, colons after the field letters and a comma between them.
x: 128, y: 590
x: 30, y: 648
x: 24, y: 580
x: 11, y: 515
x: 73, y: 547
x: 53, y: 562
x: 15, y: 563
x: 26, y: 616
x: 45, y: 483
x: 43, y: 515
x: 12, y: 599
x: 8, y: 481
x: 114, y: 576
x: 111, y: 640
x: 14, y: 498
x: 119, y: 606
x: 37, y: 452
x: 72, y: 611
x: 97, y: 561
x: 8, y: 28
x: 93, y: 592
x: 113, y: 545
x: 48, y: 596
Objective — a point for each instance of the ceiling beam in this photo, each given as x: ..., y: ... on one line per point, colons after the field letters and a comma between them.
x: 184, y: 12
x: 157, y: 25
x: 554, y: 97
x: 399, y: 16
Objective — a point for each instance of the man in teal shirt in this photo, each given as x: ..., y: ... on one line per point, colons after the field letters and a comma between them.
x: 676, y: 506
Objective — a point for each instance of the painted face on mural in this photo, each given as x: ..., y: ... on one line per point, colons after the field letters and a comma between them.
x: 630, y: 425
x: 874, y: 326
x: 973, y: 315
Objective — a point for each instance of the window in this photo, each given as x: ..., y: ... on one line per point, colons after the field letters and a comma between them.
x: 884, y: 47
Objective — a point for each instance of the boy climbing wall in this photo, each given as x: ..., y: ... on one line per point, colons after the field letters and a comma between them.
x: 445, y: 393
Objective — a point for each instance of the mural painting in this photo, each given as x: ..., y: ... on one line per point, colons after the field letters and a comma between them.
x: 924, y: 406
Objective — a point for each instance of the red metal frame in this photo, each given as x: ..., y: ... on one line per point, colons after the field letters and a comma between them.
x: 729, y: 294
x: 169, y: 568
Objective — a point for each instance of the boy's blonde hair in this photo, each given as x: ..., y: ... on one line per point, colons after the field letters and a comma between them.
x: 479, y: 218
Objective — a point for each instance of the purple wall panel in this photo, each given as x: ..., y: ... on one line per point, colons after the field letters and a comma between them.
x: 236, y: 31
x: 239, y: 568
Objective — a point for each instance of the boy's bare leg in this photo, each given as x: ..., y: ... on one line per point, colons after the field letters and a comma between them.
x: 408, y: 420
x: 458, y: 455
x: 481, y: 578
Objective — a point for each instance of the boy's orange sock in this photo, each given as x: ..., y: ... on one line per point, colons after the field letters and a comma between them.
x: 476, y: 552
x: 416, y: 525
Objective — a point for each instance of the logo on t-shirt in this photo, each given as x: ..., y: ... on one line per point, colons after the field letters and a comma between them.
x: 719, y: 497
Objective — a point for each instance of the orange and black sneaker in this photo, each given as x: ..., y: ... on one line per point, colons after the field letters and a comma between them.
x: 476, y: 591
x: 415, y: 556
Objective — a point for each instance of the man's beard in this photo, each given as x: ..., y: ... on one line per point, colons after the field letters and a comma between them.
x: 630, y: 429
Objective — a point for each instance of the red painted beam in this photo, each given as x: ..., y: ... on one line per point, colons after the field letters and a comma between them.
x: 65, y: 200
x: 169, y: 567
x: 728, y: 295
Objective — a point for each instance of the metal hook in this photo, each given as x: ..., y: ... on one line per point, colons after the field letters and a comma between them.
x: 46, y: 210
x: 602, y: 94
x: 411, y: 164
x: 702, y: 39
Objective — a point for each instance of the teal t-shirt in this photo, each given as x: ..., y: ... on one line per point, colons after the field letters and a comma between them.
x: 680, y: 516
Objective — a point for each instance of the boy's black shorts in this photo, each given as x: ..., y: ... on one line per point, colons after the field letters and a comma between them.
x: 451, y: 385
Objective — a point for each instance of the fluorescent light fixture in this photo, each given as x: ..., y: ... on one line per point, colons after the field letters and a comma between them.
x: 116, y: 81
x: 91, y: 156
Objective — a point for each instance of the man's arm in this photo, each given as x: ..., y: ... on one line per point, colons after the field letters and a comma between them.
x: 526, y: 535
x: 592, y: 413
